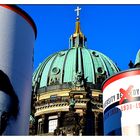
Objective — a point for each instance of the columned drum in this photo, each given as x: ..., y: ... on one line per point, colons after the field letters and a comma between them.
x: 17, y: 37
x: 121, y: 103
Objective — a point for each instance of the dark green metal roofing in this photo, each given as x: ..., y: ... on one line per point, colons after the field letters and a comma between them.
x: 61, y: 67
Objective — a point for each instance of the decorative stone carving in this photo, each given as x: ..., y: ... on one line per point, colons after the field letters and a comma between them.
x: 78, y: 79
x: 71, y: 104
x: 70, y: 125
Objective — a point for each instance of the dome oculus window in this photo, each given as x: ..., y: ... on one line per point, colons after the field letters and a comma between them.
x: 55, y: 70
x: 95, y: 54
x: 100, y: 70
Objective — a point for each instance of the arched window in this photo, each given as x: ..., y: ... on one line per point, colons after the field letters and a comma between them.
x: 53, y: 122
x: 40, y: 128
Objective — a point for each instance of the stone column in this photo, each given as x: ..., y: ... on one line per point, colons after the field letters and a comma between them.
x: 43, y: 124
x: 95, y: 123
x: 59, y: 119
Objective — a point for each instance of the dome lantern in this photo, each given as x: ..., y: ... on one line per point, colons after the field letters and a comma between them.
x: 77, y: 39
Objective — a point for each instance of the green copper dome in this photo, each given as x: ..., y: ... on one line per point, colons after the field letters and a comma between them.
x: 63, y: 67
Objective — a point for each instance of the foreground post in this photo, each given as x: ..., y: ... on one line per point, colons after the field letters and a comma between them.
x: 17, y: 36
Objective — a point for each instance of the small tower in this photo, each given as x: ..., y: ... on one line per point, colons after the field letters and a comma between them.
x: 137, y: 60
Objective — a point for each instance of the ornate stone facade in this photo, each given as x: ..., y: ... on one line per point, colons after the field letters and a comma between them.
x: 67, y: 97
x: 71, y: 112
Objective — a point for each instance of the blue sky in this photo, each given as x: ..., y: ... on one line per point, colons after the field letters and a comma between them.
x: 111, y: 29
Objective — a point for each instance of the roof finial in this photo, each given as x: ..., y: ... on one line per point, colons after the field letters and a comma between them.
x: 77, y: 39
x: 78, y: 12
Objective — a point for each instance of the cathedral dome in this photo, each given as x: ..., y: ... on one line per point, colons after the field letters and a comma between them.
x: 61, y: 68
x: 67, y: 96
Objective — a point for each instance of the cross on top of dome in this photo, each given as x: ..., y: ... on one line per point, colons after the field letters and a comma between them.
x: 77, y: 12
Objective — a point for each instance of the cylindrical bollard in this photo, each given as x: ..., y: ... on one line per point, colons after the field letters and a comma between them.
x: 121, y: 103
x: 17, y: 37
